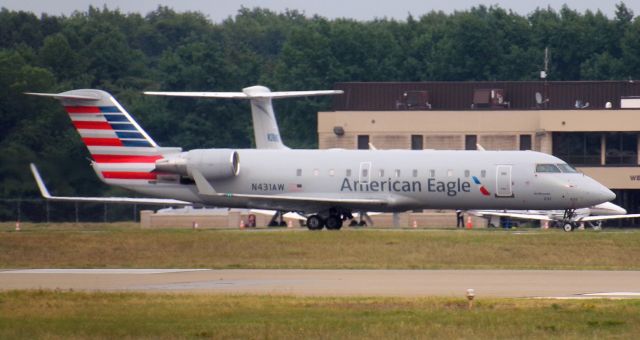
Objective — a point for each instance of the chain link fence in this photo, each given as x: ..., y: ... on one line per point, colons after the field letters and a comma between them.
x: 41, y: 210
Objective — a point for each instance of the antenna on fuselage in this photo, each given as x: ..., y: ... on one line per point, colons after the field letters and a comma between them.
x: 265, y: 125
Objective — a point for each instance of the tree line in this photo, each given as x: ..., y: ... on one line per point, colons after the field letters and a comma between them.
x: 126, y: 54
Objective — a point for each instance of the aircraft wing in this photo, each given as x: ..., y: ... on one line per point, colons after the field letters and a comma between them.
x: 606, y: 217
x: 270, y: 213
x: 131, y: 200
x: 523, y: 216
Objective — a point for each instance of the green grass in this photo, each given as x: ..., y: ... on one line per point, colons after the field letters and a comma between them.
x: 120, y: 246
x: 65, y: 315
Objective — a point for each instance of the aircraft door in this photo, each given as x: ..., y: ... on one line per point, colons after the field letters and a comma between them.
x: 503, y: 181
x: 365, y: 172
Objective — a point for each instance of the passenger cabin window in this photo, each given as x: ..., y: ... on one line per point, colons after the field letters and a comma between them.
x: 432, y: 173
x: 483, y: 173
x: 332, y: 172
x: 466, y: 173
x: 449, y: 173
x: 381, y: 172
x: 365, y: 173
x: 415, y: 172
x: 348, y: 172
x: 548, y: 168
x: 299, y: 172
x: 397, y: 173
x: 316, y: 172
x: 567, y: 168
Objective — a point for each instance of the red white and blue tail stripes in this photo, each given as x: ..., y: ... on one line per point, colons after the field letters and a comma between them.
x: 122, y: 151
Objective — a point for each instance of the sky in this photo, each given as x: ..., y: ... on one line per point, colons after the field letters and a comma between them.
x: 218, y: 10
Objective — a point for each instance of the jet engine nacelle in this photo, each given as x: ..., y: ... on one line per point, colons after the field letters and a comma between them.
x: 211, y: 163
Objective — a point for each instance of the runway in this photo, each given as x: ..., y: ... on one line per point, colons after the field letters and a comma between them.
x: 487, y: 283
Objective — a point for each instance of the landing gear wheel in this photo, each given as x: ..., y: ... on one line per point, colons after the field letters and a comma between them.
x: 315, y: 222
x: 353, y: 223
x: 568, y: 227
x: 362, y: 223
x: 333, y: 222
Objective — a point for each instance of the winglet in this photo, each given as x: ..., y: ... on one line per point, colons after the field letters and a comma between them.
x: 43, y: 188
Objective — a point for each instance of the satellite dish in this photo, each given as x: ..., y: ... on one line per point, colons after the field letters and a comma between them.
x: 538, y: 98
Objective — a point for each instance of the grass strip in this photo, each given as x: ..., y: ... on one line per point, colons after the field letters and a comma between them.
x: 110, y: 247
x: 68, y: 315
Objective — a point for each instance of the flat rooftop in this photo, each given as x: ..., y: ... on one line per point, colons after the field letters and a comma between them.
x: 487, y: 95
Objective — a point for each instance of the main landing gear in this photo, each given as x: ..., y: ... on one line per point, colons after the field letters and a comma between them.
x: 567, y: 223
x: 277, y: 220
x: 332, y: 219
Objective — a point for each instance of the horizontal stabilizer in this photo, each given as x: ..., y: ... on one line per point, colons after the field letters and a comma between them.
x: 252, y: 92
x: 241, y: 95
x: 130, y: 200
x: 63, y: 96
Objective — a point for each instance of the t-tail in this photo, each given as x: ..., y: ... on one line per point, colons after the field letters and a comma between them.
x: 123, y: 153
x: 265, y: 125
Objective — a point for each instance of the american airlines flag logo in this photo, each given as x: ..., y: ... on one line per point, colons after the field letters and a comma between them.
x: 294, y: 187
x: 483, y: 190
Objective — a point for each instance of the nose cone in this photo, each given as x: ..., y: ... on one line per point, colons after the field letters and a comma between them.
x: 606, y: 194
x: 598, y: 193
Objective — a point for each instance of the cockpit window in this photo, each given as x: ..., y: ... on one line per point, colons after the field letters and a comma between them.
x: 547, y: 168
x: 567, y: 168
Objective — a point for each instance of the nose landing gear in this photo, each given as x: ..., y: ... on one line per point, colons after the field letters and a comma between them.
x: 567, y: 223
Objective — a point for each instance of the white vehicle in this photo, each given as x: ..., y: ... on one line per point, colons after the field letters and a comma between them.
x: 593, y: 215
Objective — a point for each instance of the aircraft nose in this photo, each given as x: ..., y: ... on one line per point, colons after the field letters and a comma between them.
x: 603, y: 194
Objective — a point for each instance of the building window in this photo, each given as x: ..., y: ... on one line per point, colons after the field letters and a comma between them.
x: 578, y: 148
x: 470, y: 142
x: 417, y: 142
x: 621, y: 148
x: 525, y: 142
x: 363, y: 142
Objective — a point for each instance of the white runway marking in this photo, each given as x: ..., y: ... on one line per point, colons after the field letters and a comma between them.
x: 98, y: 271
x: 613, y: 294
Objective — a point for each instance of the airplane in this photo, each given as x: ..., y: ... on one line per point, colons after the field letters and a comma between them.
x: 324, y: 185
x: 593, y: 215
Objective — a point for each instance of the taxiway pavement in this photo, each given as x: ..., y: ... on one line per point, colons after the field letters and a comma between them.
x: 487, y: 283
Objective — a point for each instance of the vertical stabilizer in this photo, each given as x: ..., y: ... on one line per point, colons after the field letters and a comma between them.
x: 122, y: 152
x: 265, y: 125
